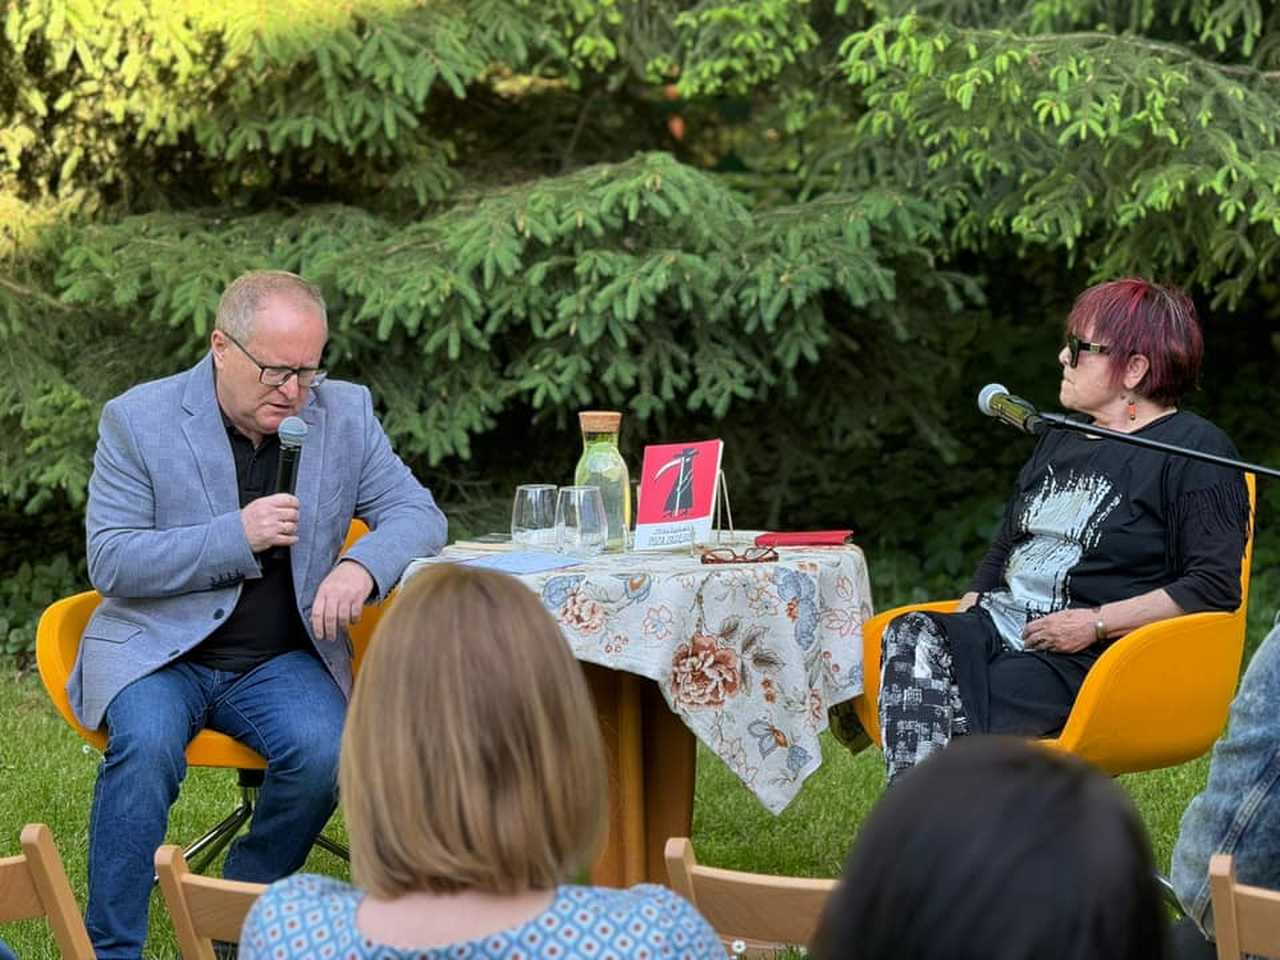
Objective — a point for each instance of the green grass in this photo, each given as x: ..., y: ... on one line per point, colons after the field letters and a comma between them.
x: 47, y: 774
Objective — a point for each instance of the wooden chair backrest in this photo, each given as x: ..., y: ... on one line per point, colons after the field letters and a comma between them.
x: 203, y: 909
x: 1246, y: 920
x: 34, y: 884
x: 767, y: 913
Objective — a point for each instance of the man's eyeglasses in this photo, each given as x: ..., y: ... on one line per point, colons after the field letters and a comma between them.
x: 729, y: 555
x: 1075, y: 345
x: 279, y: 376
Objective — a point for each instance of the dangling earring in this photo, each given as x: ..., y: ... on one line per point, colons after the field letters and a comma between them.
x: 1132, y: 408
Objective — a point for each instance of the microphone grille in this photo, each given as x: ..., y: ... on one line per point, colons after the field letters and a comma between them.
x: 292, y: 431
x: 989, y: 393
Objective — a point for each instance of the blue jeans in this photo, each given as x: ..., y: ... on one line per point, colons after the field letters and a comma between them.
x: 288, y: 709
x: 1239, y: 810
x: 5, y: 952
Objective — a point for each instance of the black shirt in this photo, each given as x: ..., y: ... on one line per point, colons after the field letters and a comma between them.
x: 265, y: 621
x: 1096, y: 521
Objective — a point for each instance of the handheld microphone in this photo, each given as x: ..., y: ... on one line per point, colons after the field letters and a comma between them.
x: 292, y: 432
x: 996, y: 401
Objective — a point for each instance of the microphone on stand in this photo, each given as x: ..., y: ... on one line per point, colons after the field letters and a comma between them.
x: 996, y: 401
x: 292, y: 432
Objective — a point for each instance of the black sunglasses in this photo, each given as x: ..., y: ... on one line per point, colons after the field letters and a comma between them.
x: 1075, y: 345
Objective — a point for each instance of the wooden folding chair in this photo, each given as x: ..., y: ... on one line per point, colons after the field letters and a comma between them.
x: 767, y: 913
x: 1246, y: 920
x: 34, y: 884
x: 203, y: 909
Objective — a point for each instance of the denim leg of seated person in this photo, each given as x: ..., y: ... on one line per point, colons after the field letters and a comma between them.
x: 1238, y: 812
x: 5, y: 952
x: 291, y: 712
x: 288, y: 709
x: 920, y: 709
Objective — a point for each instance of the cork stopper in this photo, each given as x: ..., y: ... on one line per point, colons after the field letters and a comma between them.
x: 600, y: 421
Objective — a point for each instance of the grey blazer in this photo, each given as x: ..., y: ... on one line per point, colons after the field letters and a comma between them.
x: 166, y: 546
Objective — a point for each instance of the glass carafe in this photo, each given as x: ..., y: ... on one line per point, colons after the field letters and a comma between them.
x: 601, y: 465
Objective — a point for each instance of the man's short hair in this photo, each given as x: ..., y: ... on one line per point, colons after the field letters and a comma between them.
x: 472, y: 756
x: 245, y: 295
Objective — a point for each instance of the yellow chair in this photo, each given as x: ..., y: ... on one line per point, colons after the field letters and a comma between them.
x: 1246, y: 920
x: 58, y: 641
x: 767, y: 913
x: 34, y: 884
x: 1157, y: 697
x: 203, y: 909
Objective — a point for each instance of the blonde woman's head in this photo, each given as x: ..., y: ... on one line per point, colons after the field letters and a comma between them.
x: 471, y: 757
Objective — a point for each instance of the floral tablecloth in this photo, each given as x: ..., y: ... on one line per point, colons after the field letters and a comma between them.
x: 750, y: 656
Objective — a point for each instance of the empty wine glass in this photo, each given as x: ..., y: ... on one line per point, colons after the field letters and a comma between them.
x: 533, y: 516
x: 581, y: 526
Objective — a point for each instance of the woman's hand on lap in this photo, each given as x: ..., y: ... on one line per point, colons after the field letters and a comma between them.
x: 1067, y: 631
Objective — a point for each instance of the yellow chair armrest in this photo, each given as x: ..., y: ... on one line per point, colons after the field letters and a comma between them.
x: 1158, y: 696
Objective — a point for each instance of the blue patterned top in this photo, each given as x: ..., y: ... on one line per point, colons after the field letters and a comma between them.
x: 308, y: 917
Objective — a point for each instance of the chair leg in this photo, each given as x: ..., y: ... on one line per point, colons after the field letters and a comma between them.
x: 205, y: 849
x: 202, y: 851
x: 334, y: 847
x: 1170, y: 895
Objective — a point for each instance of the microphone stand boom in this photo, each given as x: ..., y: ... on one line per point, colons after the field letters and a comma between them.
x: 1060, y: 422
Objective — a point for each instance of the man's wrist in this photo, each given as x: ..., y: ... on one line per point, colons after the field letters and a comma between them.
x: 1099, y: 625
x: 373, y: 583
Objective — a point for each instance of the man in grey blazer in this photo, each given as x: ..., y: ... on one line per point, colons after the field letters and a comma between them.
x: 225, y: 605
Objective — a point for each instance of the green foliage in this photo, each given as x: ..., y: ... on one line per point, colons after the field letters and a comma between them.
x: 567, y: 292
x: 1142, y: 153
x: 26, y: 592
x: 811, y: 227
x: 127, y: 102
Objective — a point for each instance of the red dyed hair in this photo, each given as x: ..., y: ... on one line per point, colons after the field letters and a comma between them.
x: 1136, y: 316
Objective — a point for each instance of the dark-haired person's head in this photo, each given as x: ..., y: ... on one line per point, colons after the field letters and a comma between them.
x: 471, y: 758
x: 997, y: 849
x: 1133, y: 317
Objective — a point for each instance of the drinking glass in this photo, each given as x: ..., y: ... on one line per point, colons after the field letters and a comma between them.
x: 533, y: 516
x: 581, y: 526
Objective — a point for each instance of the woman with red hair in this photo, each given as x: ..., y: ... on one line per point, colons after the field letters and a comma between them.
x: 1099, y: 538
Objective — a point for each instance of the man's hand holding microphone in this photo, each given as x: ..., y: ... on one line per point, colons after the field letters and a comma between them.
x: 271, y: 522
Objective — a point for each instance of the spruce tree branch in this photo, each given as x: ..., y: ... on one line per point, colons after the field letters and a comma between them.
x: 1159, y: 46
x: 1054, y: 42
x: 23, y: 291
x: 567, y: 157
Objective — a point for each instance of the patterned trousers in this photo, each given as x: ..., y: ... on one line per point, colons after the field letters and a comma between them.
x: 920, y: 708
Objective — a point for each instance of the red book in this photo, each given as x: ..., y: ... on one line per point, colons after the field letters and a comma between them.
x: 805, y: 538
x: 679, y: 484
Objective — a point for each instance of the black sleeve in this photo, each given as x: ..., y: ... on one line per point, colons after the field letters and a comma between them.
x: 1209, y: 519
